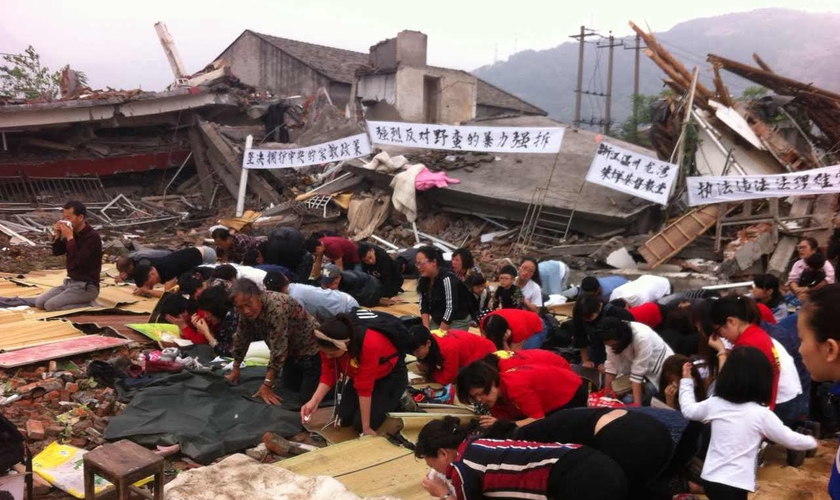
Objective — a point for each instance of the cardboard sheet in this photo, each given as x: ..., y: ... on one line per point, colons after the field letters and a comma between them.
x: 20, y: 334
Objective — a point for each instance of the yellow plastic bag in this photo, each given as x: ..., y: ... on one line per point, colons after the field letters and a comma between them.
x: 62, y: 466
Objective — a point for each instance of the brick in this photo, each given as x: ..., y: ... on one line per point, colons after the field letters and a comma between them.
x: 65, y: 396
x: 52, y: 395
x: 71, y: 387
x: 35, y: 429
x: 78, y: 442
x: 53, y: 430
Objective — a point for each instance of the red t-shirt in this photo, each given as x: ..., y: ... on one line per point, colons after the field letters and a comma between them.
x: 336, y: 248
x: 526, y: 357
x: 765, y: 313
x: 534, y: 390
x: 365, y: 371
x: 522, y: 323
x: 754, y: 336
x: 647, y: 313
x: 458, y: 349
x: 193, y: 335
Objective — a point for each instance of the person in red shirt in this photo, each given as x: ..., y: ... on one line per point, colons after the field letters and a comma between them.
x: 513, y: 329
x: 521, y: 394
x: 735, y: 319
x: 442, y: 354
x: 375, y: 372
x: 341, y: 252
x: 649, y: 313
x: 765, y: 313
x: 511, y: 359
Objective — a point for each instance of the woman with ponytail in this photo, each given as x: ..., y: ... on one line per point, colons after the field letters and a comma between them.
x: 736, y: 319
x: 442, y: 354
x: 373, y: 370
x: 487, y: 468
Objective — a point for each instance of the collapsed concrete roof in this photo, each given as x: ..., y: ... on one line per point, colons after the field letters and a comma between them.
x: 340, y: 65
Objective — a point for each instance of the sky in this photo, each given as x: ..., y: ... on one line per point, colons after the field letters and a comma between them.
x: 115, y: 44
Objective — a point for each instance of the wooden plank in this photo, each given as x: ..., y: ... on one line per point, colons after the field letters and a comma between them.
x: 202, y: 165
x: 71, y: 347
x: 332, y: 461
x: 683, y: 231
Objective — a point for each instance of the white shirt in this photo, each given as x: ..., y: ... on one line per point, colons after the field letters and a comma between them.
x: 533, y: 293
x: 789, y: 384
x: 322, y: 303
x: 737, y: 431
x: 646, y: 288
x: 642, y: 359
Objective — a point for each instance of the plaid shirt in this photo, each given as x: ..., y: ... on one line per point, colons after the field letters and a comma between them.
x: 240, y: 246
x: 287, y: 327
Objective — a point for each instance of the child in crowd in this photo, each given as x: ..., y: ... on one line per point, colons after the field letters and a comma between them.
x: 766, y: 291
x: 508, y: 295
x: 481, y: 293
x: 669, y: 381
x: 739, y: 422
x: 813, y: 276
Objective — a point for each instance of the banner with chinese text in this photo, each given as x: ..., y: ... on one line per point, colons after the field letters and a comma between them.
x: 341, y: 149
x: 704, y: 190
x: 467, y: 138
x: 632, y: 173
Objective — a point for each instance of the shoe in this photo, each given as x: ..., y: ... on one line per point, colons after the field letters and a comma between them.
x: 808, y: 432
x: 795, y: 458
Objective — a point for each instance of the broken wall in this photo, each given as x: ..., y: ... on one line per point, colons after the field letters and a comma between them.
x: 456, y: 99
x: 265, y: 67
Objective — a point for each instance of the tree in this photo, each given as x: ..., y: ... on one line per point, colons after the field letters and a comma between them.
x: 641, y: 116
x: 752, y: 93
x: 24, y: 77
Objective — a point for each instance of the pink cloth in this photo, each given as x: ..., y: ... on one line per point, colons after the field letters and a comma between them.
x: 428, y: 180
x: 799, y: 266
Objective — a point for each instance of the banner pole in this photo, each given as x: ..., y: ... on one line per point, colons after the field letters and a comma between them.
x: 243, y: 179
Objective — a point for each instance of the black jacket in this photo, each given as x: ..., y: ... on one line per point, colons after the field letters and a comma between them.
x: 387, y: 271
x: 446, y: 299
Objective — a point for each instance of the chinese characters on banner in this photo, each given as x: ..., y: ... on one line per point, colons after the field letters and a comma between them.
x: 342, y: 149
x: 632, y: 173
x: 467, y: 138
x: 704, y: 190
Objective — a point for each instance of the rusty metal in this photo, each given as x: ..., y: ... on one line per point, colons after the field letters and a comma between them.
x: 51, y: 190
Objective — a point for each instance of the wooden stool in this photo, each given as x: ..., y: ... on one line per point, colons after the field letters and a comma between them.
x: 123, y: 463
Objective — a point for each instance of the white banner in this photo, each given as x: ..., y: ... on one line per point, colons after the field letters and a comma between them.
x: 467, y: 138
x: 341, y: 149
x: 632, y: 173
x: 705, y: 190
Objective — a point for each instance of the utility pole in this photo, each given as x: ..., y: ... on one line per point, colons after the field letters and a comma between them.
x: 579, y: 89
x: 637, y: 47
x: 611, y: 45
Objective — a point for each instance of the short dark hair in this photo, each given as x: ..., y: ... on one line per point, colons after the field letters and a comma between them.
x: 362, y: 249
x: 246, y: 287
x: 509, y: 270
x: 342, y: 328
x: 467, y: 260
x: 536, y: 277
x: 769, y: 282
x: 312, y: 243
x: 216, y: 301
x: 174, y: 305
x: 477, y: 375
x: 739, y: 306
x: 190, y: 282
x: 446, y: 433
x: 815, y: 261
x: 590, y: 284
x: 587, y: 305
x: 274, y: 281
x: 124, y: 264
x: 77, y: 206
x: 418, y: 335
x: 812, y: 242
x: 494, y: 327
x: 475, y: 279
x: 141, y: 274
x: 615, y: 329
x: 822, y: 313
x: 220, y: 233
x: 747, y: 377
x: 673, y: 366
x: 225, y: 272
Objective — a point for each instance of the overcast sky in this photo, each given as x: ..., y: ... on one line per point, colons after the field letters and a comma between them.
x: 114, y: 41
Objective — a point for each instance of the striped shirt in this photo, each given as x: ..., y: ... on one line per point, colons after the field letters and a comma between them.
x: 495, y: 468
x: 446, y: 299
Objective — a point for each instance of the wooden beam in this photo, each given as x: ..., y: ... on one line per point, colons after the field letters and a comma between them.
x: 202, y: 166
x: 172, y: 55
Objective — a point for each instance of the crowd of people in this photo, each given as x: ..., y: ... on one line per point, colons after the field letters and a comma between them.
x: 687, y: 378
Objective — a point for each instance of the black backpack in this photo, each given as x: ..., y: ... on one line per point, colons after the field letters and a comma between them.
x: 392, y: 327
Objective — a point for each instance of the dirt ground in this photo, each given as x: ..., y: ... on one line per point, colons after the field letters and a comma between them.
x: 777, y: 481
